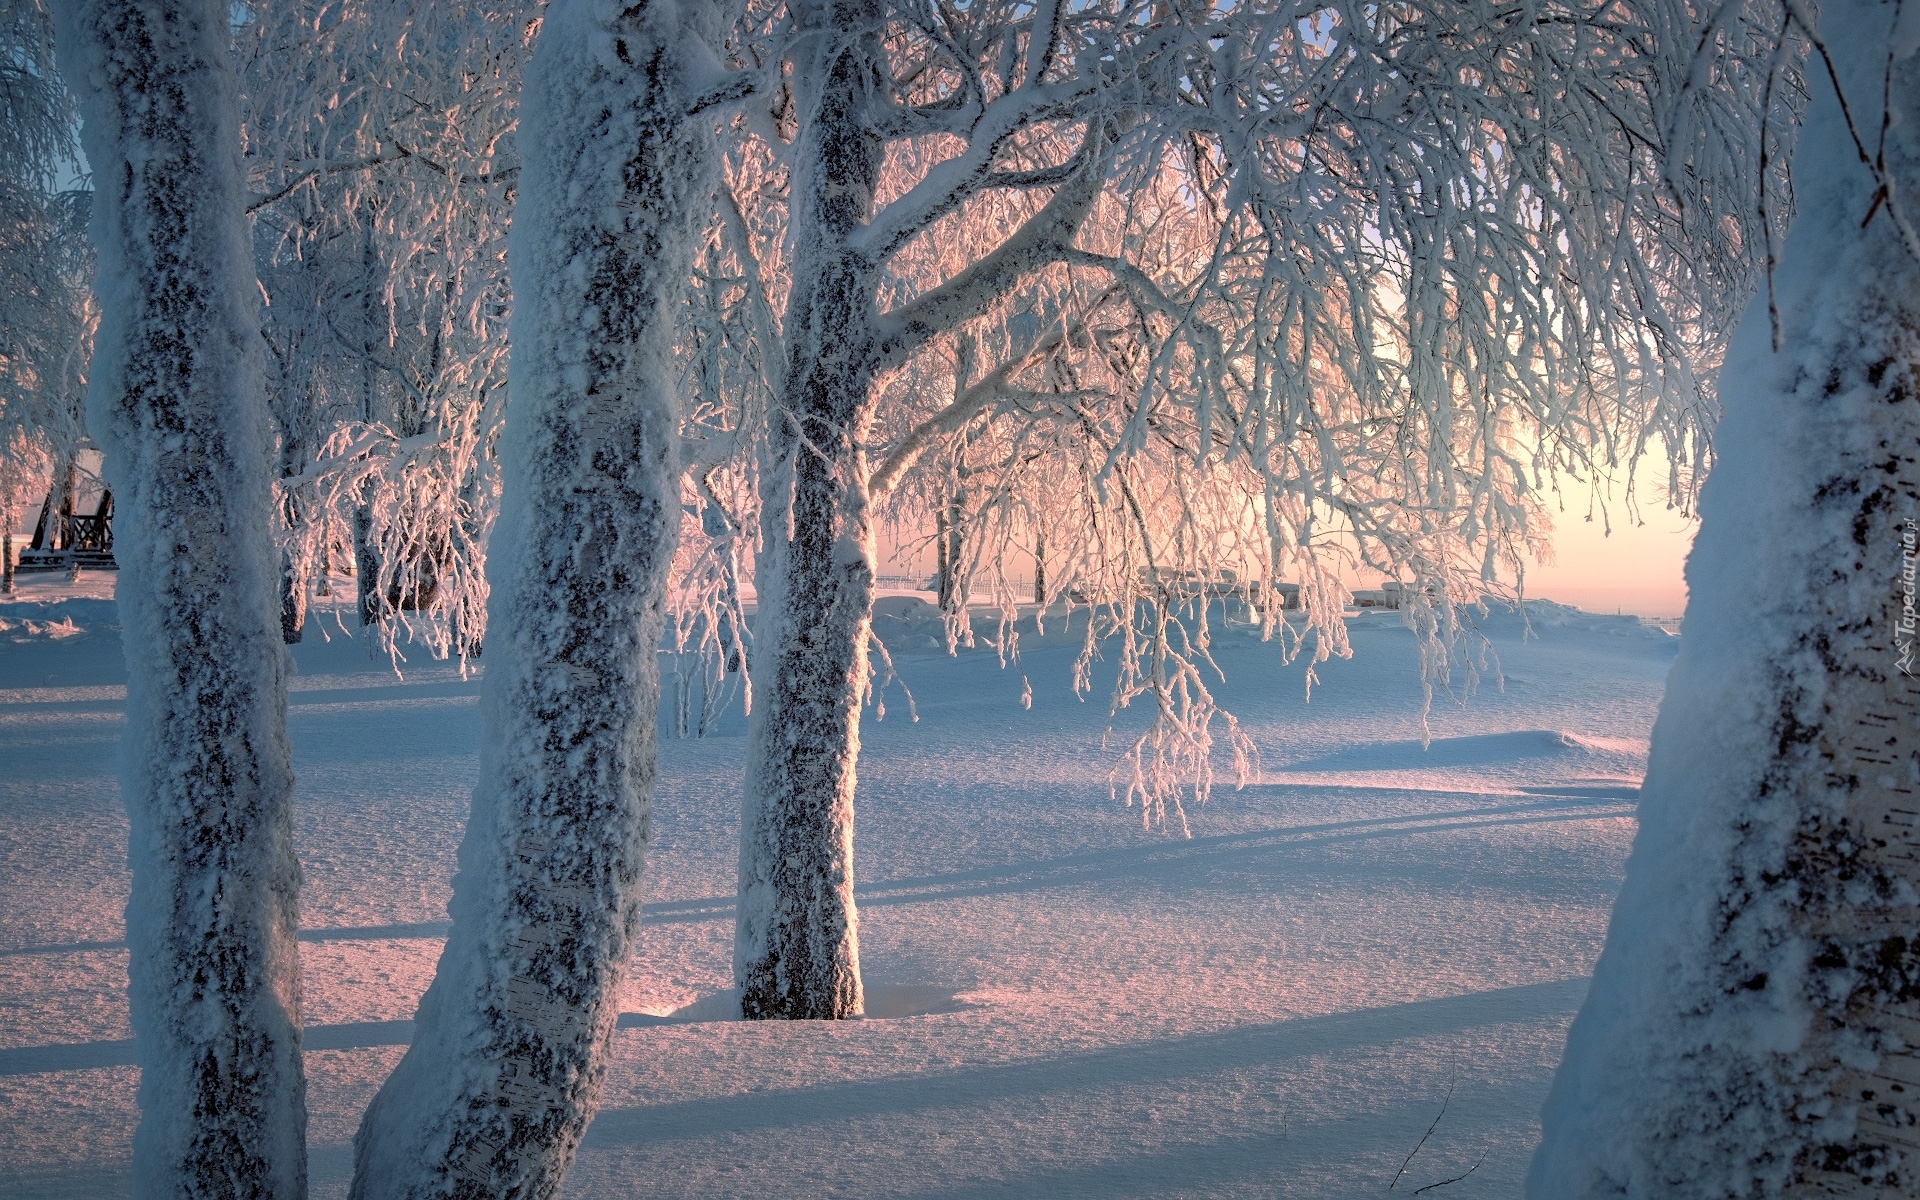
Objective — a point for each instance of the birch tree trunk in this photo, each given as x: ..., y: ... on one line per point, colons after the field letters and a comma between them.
x: 293, y: 588
x: 942, y: 575
x: 1754, y: 1023
x: 366, y: 568
x: 511, y: 1040
x: 796, y: 942
x: 366, y: 563
x: 1040, y: 567
x: 950, y: 595
x: 179, y: 402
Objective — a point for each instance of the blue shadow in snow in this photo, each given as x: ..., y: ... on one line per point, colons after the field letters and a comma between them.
x: 1556, y: 805
x: 1123, y: 1067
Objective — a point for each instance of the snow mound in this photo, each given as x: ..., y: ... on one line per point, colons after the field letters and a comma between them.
x: 1546, y: 617
x: 885, y: 1002
x: 1476, y: 750
x: 908, y: 625
x: 913, y: 624
x: 23, y: 629
x: 24, y: 620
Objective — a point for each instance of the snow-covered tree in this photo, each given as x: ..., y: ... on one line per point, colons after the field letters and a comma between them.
x: 1753, y: 1021
x: 178, y: 402
x: 23, y: 479
x: 47, y: 327
x: 511, y: 1042
x: 381, y: 150
x: 37, y: 132
x: 1248, y: 287
x: 46, y: 308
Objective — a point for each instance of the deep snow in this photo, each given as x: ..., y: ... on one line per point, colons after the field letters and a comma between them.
x: 1060, y: 1001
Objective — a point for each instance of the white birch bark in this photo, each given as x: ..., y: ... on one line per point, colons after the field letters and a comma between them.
x: 796, y: 937
x: 796, y: 940
x: 178, y: 402
x: 1754, y: 1023
x: 510, y: 1047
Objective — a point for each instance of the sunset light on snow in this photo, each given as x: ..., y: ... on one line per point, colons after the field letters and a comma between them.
x: 942, y: 599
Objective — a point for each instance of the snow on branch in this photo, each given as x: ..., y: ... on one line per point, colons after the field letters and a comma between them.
x: 380, y: 146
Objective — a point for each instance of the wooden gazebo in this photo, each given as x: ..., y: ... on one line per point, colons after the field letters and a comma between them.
x: 65, y: 539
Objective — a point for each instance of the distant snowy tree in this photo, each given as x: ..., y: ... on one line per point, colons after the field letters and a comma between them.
x: 381, y: 149
x: 37, y: 133
x: 511, y: 1044
x: 309, y: 382
x: 23, y: 480
x: 1268, y: 288
x: 1753, y: 1021
x: 178, y: 402
x: 46, y: 266
x: 46, y: 271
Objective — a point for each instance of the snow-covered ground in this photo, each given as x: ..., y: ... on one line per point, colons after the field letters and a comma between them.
x: 1372, y: 945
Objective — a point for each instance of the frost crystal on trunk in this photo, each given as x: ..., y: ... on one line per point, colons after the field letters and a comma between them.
x: 1753, y: 1022
x: 510, y: 1049
x: 177, y: 400
x: 796, y: 947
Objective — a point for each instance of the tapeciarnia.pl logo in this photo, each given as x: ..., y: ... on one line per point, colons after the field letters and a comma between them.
x: 1904, y: 639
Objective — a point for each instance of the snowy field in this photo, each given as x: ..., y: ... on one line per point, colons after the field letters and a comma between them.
x: 1062, y: 1003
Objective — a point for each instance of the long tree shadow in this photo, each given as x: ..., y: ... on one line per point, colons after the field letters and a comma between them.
x: 349, y: 933
x: 636, y: 1128
x: 92, y: 1056
x: 1473, y: 1008
x: 1169, y: 857
x: 1127, y: 1066
x: 1556, y: 805
x: 1251, y: 1165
